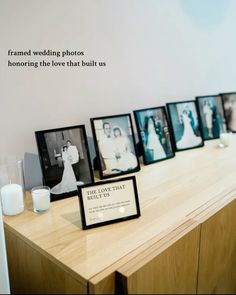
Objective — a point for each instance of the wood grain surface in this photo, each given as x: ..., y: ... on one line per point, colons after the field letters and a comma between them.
x: 217, y: 264
x: 171, y: 193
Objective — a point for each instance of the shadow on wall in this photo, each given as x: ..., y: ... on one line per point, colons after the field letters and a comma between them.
x: 205, y: 13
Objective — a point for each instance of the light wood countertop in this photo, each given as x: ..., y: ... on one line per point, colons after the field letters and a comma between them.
x: 171, y: 193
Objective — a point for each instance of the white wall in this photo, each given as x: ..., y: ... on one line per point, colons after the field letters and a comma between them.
x: 156, y: 51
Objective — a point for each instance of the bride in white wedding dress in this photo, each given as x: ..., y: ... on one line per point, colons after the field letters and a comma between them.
x: 188, y: 139
x: 68, y: 182
x: 153, y: 142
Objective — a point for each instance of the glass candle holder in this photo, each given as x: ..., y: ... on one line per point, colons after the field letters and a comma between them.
x: 11, y: 186
x: 225, y: 138
x: 41, y: 198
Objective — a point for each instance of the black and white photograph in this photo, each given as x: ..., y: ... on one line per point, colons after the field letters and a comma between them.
x: 154, y: 134
x: 65, y: 160
x: 211, y: 114
x: 185, y: 125
x: 229, y: 103
x: 115, y: 145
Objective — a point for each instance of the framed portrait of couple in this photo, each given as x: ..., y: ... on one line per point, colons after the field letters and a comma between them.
x: 115, y: 145
x: 211, y: 114
x: 229, y: 103
x: 185, y: 125
x: 154, y: 134
x: 65, y: 160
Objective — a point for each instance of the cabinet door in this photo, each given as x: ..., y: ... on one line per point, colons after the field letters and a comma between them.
x: 34, y: 273
x: 217, y: 260
x: 169, y: 271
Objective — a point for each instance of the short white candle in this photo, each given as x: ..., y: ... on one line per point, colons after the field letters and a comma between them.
x: 12, y: 199
x: 41, y: 199
x: 225, y: 138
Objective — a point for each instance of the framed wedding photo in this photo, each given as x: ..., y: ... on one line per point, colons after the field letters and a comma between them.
x: 107, y: 202
x: 229, y: 104
x: 154, y: 134
x: 65, y: 160
x: 211, y: 114
x: 115, y: 145
x: 185, y: 125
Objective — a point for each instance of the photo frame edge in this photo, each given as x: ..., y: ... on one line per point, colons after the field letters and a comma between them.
x: 81, y: 203
x: 81, y: 127
x: 221, y: 94
x: 101, y: 174
x: 201, y: 135
x: 199, y: 113
x: 140, y: 138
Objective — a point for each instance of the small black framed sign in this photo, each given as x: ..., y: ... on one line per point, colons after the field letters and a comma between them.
x: 65, y: 160
x: 154, y: 134
x: 108, y: 202
x: 115, y: 145
x: 185, y: 125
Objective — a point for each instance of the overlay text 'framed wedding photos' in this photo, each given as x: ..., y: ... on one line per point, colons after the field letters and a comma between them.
x: 115, y: 145
x: 229, y: 104
x: 185, y: 125
x: 211, y: 114
x: 65, y: 160
x: 154, y: 134
x: 107, y: 202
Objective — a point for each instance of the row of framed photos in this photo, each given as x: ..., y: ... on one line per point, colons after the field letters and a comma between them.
x: 64, y: 152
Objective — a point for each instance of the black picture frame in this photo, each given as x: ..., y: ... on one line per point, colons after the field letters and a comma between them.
x: 177, y: 128
x: 115, y: 162
x: 60, y: 167
x: 156, y: 144
x: 211, y: 114
x: 229, y: 111
x: 104, y: 206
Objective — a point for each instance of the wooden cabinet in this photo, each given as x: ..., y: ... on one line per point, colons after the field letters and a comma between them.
x: 184, y: 241
x: 201, y: 261
x: 171, y: 268
x: 217, y: 259
x: 32, y: 272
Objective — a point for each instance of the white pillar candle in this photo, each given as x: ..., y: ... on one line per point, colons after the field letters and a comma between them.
x: 225, y: 138
x: 12, y: 199
x: 41, y: 199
